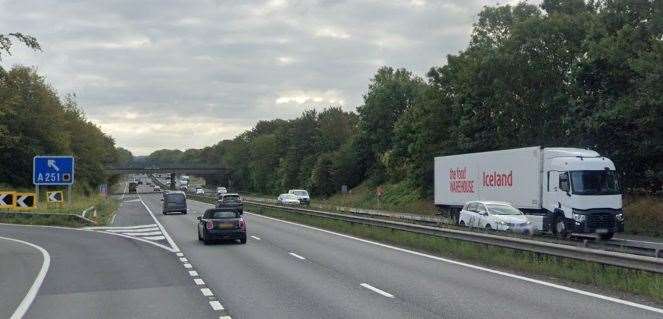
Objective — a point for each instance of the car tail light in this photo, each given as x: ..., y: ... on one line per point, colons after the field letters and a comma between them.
x: 209, y: 224
x: 242, y: 224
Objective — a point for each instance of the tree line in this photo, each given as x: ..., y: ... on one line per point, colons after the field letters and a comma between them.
x: 565, y: 73
x: 34, y: 120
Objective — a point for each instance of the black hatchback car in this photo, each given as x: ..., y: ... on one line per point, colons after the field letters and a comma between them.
x: 230, y: 201
x: 221, y: 224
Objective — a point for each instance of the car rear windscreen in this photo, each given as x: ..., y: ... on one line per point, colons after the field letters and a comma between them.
x: 222, y: 214
x: 176, y: 198
x: 231, y: 198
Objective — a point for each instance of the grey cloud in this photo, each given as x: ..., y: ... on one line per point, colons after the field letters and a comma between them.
x: 218, y: 67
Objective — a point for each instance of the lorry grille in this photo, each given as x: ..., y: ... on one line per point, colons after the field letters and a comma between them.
x: 595, y: 221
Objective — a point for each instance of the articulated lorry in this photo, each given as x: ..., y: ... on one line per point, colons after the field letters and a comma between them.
x: 562, y: 190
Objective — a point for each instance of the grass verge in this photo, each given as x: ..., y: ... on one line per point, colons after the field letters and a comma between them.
x: 646, y: 284
x: 644, y: 216
x: 59, y: 216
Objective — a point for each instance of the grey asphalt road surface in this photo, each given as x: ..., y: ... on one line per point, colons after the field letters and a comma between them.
x: 290, y: 271
x: 95, y: 275
x: 19, y: 266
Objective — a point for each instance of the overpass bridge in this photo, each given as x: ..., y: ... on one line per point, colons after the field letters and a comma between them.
x: 173, y: 171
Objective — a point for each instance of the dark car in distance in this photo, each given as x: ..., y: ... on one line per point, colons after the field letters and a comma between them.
x: 174, y: 202
x: 221, y: 224
x: 230, y: 201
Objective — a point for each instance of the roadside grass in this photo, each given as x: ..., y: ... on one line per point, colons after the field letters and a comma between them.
x: 620, y: 279
x: 644, y: 216
x: 105, y: 207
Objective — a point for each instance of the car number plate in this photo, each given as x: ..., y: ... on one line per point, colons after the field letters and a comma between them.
x: 226, y: 226
x: 601, y: 231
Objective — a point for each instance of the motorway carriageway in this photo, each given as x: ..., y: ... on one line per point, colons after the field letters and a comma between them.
x: 154, y: 267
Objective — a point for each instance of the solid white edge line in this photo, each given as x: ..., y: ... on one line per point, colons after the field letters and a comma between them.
x: 140, y: 239
x: 206, y: 292
x: 297, y: 256
x: 112, y: 221
x: 255, y: 237
x: 34, y: 289
x: 497, y: 272
x: 163, y: 230
x: 216, y: 305
x: 126, y: 186
x: 376, y: 290
x: 193, y: 273
x: 198, y: 281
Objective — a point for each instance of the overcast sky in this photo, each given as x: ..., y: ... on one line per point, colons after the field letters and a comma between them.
x: 186, y: 74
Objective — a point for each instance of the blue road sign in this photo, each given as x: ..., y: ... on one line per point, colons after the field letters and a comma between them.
x: 53, y: 170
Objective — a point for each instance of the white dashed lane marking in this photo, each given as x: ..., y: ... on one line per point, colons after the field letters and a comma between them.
x: 297, y: 256
x: 379, y: 291
x: 188, y: 266
x: 255, y: 237
x: 206, y: 292
x: 216, y: 306
x: 193, y: 273
x: 199, y: 281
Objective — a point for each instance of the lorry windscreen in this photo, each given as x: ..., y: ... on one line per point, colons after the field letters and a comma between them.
x: 594, y: 182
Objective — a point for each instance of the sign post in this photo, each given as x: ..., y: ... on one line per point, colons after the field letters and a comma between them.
x: 379, y: 192
x: 53, y: 170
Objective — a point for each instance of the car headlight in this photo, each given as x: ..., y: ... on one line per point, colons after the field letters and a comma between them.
x: 579, y: 217
x: 620, y: 217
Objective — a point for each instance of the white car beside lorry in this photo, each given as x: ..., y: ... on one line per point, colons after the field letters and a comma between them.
x: 561, y: 190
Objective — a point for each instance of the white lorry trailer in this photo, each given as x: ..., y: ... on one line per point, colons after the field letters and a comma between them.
x: 562, y: 190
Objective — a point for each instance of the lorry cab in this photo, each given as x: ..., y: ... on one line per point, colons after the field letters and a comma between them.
x: 581, y: 191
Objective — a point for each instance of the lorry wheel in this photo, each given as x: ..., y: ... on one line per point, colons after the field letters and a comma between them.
x: 462, y: 223
x: 488, y: 227
x: 606, y: 236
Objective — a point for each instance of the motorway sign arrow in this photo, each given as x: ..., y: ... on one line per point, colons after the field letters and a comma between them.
x: 25, y: 200
x: 51, y: 164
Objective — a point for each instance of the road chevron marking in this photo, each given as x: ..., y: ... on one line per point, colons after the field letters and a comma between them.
x: 163, y: 230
